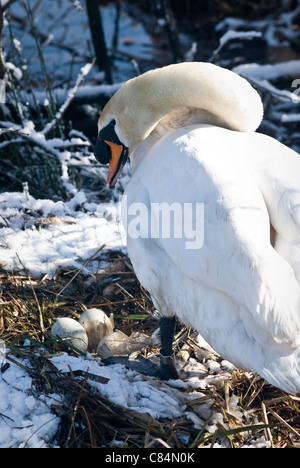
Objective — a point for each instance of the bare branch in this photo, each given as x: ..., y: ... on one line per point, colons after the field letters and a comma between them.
x: 3, y: 8
x: 7, y: 4
x: 84, y: 72
x: 98, y: 37
x: 2, y: 66
x: 171, y: 26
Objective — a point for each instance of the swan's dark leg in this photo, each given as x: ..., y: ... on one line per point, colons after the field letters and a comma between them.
x: 167, y: 366
x: 166, y: 370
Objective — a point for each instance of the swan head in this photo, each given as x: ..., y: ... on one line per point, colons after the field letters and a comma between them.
x: 224, y: 98
x: 126, y: 120
x: 109, y: 149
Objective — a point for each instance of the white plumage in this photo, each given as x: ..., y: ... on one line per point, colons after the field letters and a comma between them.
x: 240, y: 290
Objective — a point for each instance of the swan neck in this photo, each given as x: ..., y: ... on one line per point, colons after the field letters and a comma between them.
x: 223, y: 97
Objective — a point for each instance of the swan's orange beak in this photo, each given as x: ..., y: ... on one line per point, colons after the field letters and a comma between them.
x: 110, y: 150
x: 113, y: 153
x: 113, y: 171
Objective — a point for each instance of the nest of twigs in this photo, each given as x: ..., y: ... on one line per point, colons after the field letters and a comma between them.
x: 30, y: 306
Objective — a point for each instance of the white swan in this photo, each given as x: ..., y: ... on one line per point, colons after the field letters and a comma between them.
x: 190, y: 132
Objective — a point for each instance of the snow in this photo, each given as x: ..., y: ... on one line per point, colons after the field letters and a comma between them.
x: 127, y: 388
x: 274, y: 29
x: 261, y: 75
x: 269, y: 71
x: 25, y: 420
x: 290, y: 118
x: 80, y: 228
x: 234, y: 35
x: 42, y: 235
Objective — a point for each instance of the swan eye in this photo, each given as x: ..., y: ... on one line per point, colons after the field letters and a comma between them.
x: 102, y: 149
x: 102, y: 152
x: 109, y: 133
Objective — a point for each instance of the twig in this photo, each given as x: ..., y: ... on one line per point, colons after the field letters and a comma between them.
x: 267, y: 429
x: 19, y: 364
x: 172, y: 30
x: 265, y: 406
x: 84, y: 72
x: 76, y: 410
x: 35, y: 296
x: 23, y: 445
x: 12, y: 130
x: 231, y: 36
x: 158, y: 440
x: 83, y: 266
x: 39, y: 307
x: 7, y: 4
x: 98, y: 37
x: 35, y: 141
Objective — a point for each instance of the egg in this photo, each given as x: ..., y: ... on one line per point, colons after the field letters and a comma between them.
x: 96, y: 325
x: 72, y: 331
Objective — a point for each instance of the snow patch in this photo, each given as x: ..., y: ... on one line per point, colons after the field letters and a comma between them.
x: 43, y: 236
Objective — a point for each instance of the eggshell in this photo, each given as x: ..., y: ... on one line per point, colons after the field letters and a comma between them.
x: 96, y: 325
x: 73, y: 332
x: 119, y: 344
x: 110, y: 344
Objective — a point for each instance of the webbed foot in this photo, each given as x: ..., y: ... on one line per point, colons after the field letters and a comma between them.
x: 139, y: 364
x: 165, y: 371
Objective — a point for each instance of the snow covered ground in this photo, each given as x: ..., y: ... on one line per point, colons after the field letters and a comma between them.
x: 42, y: 244
x: 26, y: 419
x: 43, y: 236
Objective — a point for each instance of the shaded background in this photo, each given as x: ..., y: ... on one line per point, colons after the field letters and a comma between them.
x: 45, y: 44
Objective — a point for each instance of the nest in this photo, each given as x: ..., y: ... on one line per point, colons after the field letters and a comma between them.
x: 244, y: 407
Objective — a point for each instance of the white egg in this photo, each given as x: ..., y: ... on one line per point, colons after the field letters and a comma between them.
x: 96, y: 325
x: 73, y: 332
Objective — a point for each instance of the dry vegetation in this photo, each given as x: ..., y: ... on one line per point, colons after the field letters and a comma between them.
x: 28, y: 309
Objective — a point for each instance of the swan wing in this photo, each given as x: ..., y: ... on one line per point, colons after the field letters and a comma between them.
x: 277, y: 171
x: 211, y: 166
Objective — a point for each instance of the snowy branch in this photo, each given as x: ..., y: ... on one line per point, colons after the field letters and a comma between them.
x: 261, y: 75
x: 5, y: 4
x: 34, y: 140
x: 233, y: 35
x: 84, y: 72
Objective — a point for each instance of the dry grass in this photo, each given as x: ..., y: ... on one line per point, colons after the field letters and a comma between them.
x: 28, y: 309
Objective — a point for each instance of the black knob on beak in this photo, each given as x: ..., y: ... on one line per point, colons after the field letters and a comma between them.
x: 102, y: 152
